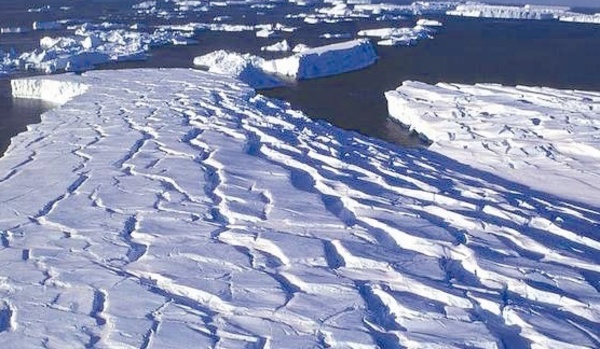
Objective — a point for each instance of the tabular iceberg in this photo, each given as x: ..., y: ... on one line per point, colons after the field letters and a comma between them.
x: 325, y: 60
x: 541, y: 137
x: 580, y: 18
x: 177, y: 208
x: 508, y: 12
x: 309, y: 63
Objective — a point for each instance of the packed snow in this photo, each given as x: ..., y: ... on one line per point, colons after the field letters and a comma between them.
x: 541, y: 137
x: 308, y: 63
x: 177, y: 208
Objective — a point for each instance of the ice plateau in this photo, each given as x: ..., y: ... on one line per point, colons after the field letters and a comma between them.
x: 178, y: 208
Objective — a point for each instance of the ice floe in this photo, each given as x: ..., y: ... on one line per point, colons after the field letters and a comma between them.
x: 308, y: 63
x: 245, y: 67
x: 282, y: 46
x: 398, y: 36
x: 177, y: 208
x: 541, y: 137
x: 266, y: 33
x: 336, y: 36
x: 13, y: 30
x: 52, y: 25
x: 91, y: 45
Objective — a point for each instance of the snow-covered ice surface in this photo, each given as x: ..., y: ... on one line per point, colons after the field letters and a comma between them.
x: 177, y: 208
x: 545, y: 138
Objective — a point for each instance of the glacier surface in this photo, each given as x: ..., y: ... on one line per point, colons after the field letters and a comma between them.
x: 178, y: 208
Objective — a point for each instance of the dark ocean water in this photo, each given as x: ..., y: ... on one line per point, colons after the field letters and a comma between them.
x: 561, y: 55
x: 16, y: 114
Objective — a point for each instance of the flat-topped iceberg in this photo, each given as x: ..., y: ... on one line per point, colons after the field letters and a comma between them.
x: 308, y: 63
x: 508, y: 12
x: 541, y: 137
x: 416, y: 8
x: 177, y: 208
x: 580, y: 18
x: 325, y: 60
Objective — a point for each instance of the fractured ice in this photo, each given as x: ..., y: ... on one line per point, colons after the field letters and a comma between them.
x: 177, y: 208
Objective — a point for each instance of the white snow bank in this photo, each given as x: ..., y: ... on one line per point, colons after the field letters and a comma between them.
x: 541, y: 137
x: 325, y: 60
x: 178, y: 208
x: 310, y: 63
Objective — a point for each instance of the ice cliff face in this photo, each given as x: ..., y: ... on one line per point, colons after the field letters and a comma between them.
x: 177, y: 208
x: 46, y: 89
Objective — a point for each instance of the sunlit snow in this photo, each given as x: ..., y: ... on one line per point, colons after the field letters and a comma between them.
x: 177, y: 208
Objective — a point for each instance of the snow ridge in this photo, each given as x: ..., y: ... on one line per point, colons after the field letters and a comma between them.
x: 261, y: 228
